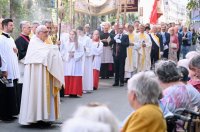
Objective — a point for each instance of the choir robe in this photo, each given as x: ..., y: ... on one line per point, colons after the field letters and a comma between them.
x: 43, y: 77
x: 87, y: 63
x: 144, y: 59
x: 8, y: 97
x: 107, y: 57
x: 97, y: 48
x: 132, y: 57
x: 73, y: 70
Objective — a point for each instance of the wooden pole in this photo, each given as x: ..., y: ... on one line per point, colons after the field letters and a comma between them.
x: 125, y: 9
x: 70, y: 12
x: 118, y: 10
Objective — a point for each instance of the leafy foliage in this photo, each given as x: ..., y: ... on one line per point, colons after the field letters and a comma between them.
x: 192, y: 5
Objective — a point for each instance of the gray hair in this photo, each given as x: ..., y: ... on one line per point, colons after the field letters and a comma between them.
x: 22, y: 23
x: 146, y: 87
x: 194, y: 63
x: 40, y: 28
x: 35, y: 22
x: 191, y: 54
x: 46, y: 21
x: 167, y: 71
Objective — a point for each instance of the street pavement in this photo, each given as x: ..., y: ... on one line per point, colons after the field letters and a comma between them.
x: 114, y: 97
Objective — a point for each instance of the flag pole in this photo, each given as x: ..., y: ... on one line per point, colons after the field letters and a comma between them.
x: 61, y: 16
x: 125, y: 9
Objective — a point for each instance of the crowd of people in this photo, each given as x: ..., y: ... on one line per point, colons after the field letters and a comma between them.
x: 41, y: 65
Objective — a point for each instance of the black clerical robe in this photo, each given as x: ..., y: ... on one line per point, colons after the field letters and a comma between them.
x: 22, y: 45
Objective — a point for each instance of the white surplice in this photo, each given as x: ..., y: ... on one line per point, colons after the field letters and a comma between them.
x: 9, y: 57
x: 72, y: 65
x: 43, y: 77
x: 87, y: 63
x: 97, y: 48
x: 145, y: 64
x: 131, y: 64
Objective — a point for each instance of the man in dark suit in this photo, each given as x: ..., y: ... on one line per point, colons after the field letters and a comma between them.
x: 119, y: 55
x: 157, y: 46
x: 179, y: 41
x: 166, y: 40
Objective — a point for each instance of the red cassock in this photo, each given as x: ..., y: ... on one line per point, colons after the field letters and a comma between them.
x: 96, y: 78
x: 73, y: 85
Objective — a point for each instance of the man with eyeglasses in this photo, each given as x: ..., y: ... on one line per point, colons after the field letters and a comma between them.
x: 43, y: 78
x: 22, y: 45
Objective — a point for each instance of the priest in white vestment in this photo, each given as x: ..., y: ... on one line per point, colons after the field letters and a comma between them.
x: 132, y: 54
x: 97, y: 49
x: 87, y: 59
x: 43, y: 77
x: 143, y: 44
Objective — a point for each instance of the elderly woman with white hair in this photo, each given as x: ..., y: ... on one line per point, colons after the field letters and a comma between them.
x: 97, y: 113
x: 143, y: 94
x: 84, y: 125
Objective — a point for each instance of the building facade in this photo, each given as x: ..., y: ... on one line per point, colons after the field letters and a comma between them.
x: 173, y: 10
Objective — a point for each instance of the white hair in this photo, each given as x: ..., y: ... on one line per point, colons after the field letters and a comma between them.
x: 183, y: 63
x: 99, y: 113
x: 146, y: 87
x: 40, y: 28
x: 84, y: 125
x: 191, y: 55
x: 23, y: 23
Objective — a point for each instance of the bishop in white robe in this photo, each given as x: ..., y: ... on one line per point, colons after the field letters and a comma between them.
x: 43, y: 77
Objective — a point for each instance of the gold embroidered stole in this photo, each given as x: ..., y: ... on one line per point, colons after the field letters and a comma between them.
x: 143, y: 37
x: 158, y: 42
x: 130, y: 50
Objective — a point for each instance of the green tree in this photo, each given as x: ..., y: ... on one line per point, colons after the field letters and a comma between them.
x: 192, y: 5
x: 4, y: 8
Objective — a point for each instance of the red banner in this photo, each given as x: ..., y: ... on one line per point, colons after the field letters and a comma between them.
x: 154, y: 14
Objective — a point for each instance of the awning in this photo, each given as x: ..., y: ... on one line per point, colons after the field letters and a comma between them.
x: 197, y: 18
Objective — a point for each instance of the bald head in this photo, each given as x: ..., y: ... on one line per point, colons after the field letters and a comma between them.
x: 42, y: 32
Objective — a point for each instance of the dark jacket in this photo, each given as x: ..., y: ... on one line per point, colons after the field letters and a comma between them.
x: 122, y: 47
x: 167, y: 36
